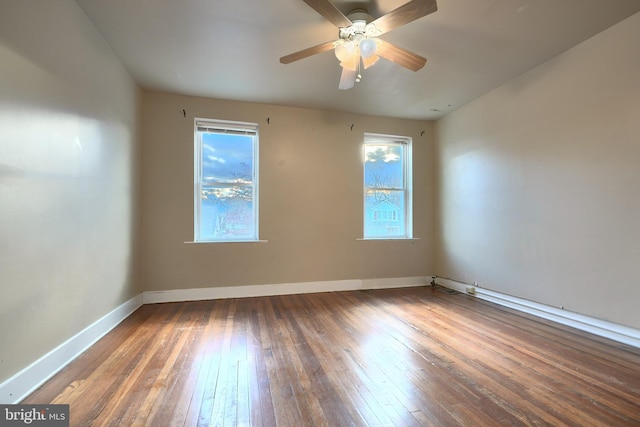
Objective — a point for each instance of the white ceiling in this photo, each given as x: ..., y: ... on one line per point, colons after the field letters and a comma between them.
x: 230, y: 49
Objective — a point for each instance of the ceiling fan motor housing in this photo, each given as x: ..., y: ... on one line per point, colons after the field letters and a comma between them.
x: 359, y: 15
x: 358, y: 30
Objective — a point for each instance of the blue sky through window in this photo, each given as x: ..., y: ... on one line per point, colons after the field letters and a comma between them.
x: 226, y: 158
x: 227, y: 204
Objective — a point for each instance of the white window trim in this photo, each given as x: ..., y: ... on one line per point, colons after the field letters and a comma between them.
x: 370, y: 139
x: 224, y: 126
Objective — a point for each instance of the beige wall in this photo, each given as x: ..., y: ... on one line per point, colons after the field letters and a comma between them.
x: 540, y: 182
x: 67, y: 135
x: 310, y: 199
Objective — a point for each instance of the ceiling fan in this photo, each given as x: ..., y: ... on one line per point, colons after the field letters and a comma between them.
x: 358, y: 45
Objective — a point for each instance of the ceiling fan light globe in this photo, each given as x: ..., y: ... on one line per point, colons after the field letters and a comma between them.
x: 368, y: 62
x: 368, y: 48
x: 351, y: 63
x: 344, y: 51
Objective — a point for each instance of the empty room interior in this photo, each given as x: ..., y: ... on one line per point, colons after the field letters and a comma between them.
x: 314, y: 212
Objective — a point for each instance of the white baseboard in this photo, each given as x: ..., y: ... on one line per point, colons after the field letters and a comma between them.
x: 610, y: 330
x: 178, y: 295
x: 451, y: 284
x: 26, y: 381
x: 33, y: 376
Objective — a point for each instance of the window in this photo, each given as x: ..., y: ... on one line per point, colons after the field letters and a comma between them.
x: 226, y: 181
x: 387, y: 187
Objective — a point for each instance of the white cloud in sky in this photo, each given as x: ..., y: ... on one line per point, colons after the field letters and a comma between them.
x: 383, y: 153
x: 216, y: 159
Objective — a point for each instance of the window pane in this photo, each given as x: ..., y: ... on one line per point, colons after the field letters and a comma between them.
x: 226, y: 175
x: 227, y: 158
x: 227, y: 213
x: 384, y: 213
x: 387, y: 187
x: 383, y: 166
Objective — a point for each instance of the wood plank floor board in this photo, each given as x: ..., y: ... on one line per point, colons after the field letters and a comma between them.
x: 317, y: 362
x: 385, y: 361
x: 397, y: 357
x: 263, y: 413
x: 499, y: 368
x: 496, y: 366
x: 201, y: 404
x: 104, y: 375
x: 335, y: 332
x: 165, y: 399
x: 128, y: 400
x: 444, y: 362
x: 175, y: 408
x: 564, y: 373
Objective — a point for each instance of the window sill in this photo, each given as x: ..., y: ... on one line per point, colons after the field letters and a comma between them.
x: 368, y: 239
x: 208, y: 242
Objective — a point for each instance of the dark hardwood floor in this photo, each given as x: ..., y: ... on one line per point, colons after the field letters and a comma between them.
x: 402, y: 357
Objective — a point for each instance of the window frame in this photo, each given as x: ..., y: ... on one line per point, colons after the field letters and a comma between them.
x: 407, y: 188
x: 224, y: 127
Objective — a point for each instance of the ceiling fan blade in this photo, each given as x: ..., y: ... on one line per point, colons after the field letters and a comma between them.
x: 401, y: 56
x: 404, y: 14
x: 306, y: 52
x: 330, y: 12
x: 347, y: 79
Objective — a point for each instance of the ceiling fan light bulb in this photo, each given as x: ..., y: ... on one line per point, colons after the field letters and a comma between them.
x: 368, y: 48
